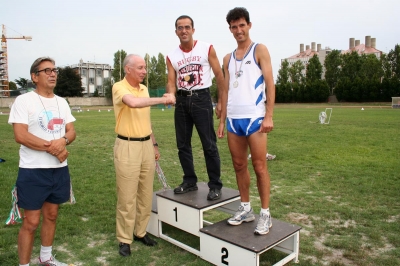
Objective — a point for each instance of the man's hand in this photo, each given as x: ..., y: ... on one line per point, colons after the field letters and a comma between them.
x: 169, y: 98
x: 55, y: 147
x: 221, y: 130
x: 156, y: 153
x: 266, y: 126
x: 62, y: 156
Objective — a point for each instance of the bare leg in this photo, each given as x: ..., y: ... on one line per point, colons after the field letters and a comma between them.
x: 26, y: 235
x: 238, y: 147
x: 258, y: 144
x: 50, y: 212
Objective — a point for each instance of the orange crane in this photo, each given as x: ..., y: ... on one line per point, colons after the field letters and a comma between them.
x: 4, y: 61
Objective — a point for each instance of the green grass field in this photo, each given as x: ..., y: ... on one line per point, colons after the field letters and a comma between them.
x: 339, y: 182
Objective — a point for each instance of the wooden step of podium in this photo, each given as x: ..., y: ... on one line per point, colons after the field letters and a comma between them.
x: 224, y: 244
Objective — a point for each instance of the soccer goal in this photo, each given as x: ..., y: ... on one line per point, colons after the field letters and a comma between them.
x: 395, y: 102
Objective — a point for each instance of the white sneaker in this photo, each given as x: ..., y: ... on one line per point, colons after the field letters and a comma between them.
x: 263, y: 225
x: 241, y: 216
x: 53, y: 262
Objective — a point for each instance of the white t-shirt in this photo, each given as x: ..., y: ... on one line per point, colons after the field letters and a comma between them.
x: 193, y: 70
x: 46, y: 118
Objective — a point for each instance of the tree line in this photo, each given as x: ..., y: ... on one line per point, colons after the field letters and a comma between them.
x: 350, y: 77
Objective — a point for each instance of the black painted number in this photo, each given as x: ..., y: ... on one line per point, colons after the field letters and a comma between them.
x: 176, y: 214
x: 224, y: 256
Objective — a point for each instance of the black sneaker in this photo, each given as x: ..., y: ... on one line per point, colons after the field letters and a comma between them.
x: 185, y: 187
x: 214, y: 194
x: 124, y: 249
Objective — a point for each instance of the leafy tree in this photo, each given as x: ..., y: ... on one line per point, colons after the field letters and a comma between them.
x: 12, y: 86
x: 332, y: 66
x: 22, y: 83
x: 161, y: 70
x: 314, y: 69
x: 156, y: 71
x: 390, y: 86
x: 296, y: 72
x: 107, y: 88
x: 69, y: 83
x: 118, y: 72
x: 283, y: 73
x: 351, y: 65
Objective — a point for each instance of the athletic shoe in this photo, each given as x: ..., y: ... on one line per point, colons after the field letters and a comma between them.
x: 185, y: 187
x: 53, y: 262
x: 241, y: 216
x: 263, y: 225
x: 214, y: 194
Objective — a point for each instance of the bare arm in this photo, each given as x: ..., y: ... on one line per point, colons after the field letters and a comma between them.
x: 139, y: 102
x: 219, y: 77
x: 223, y: 98
x: 171, y: 87
x: 22, y: 136
x: 264, y: 60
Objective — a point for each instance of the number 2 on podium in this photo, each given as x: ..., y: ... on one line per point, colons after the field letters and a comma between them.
x: 224, y: 251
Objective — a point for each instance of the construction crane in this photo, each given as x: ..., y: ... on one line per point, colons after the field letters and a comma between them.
x: 4, y: 61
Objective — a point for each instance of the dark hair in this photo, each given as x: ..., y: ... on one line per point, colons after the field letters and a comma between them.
x: 238, y: 13
x: 183, y: 17
x: 35, y: 65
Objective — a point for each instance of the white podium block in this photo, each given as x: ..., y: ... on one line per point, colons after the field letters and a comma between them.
x: 223, y: 244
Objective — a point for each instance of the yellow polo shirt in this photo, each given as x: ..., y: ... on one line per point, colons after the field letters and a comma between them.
x: 130, y: 122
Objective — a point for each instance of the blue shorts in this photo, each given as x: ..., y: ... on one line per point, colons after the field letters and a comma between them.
x: 244, y: 126
x: 35, y: 186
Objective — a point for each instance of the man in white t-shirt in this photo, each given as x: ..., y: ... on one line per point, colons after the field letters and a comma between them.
x: 190, y: 67
x: 43, y: 125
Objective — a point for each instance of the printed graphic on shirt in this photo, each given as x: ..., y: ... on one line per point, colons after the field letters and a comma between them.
x: 50, y: 121
x: 190, y: 74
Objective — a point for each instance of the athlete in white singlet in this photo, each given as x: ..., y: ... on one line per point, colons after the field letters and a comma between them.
x: 248, y: 106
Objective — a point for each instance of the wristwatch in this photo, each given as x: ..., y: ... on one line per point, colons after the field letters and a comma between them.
x: 66, y: 140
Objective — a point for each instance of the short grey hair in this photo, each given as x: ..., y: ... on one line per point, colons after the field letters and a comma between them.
x: 35, y: 65
x: 129, y: 59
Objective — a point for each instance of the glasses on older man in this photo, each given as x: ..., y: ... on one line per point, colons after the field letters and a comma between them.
x: 48, y: 71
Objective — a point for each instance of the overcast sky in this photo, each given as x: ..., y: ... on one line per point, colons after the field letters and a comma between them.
x: 94, y: 30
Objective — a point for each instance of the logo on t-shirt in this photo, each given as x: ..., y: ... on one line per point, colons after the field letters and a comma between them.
x: 190, y: 76
x: 50, y: 121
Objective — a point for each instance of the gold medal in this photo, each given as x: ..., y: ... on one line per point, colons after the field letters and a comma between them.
x: 235, y: 84
x: 187, y: 78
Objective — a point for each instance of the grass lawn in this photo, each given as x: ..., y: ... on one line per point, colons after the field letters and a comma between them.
x: 339, y: 182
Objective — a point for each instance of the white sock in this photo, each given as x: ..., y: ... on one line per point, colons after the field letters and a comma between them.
x: 24, y: 264
x: 265, y: 211
x: 246, y: 206
x: 45, y: 253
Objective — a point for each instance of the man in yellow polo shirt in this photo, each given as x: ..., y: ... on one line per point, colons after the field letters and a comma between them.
x: 135, y: 152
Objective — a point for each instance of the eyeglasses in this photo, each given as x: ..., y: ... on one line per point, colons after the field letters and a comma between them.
x: 49, y: 70
x: 181, y: 28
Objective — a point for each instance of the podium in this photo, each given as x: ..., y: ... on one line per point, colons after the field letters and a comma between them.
x: 220, y: 243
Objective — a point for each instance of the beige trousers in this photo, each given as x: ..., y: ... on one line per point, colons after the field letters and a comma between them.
x: 134, y: 163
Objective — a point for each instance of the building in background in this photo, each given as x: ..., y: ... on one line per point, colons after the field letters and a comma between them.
x: 354, y: 45
x: 368, y: 48
x: 305, y: 55
x: 93, y: 76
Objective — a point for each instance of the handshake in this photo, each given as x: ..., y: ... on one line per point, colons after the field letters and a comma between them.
x: 169, y: 98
